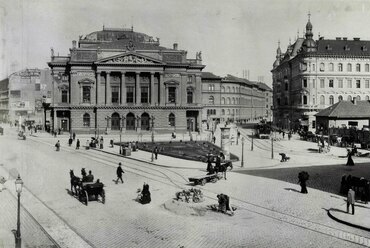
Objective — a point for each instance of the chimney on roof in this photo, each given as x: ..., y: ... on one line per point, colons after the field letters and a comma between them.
x: 356, y: 39
x: 338, y: 38
x: 74, y: 44
x: 344, y: 38
x: 175, y: 45
x: 355, y: 101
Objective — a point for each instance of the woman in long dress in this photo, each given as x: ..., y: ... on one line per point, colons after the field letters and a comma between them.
x: 349, y: 159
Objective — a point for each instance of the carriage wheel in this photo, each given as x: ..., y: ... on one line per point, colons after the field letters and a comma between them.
x: 103, y: 196
x: 204, y: 181
x: 87, y: 197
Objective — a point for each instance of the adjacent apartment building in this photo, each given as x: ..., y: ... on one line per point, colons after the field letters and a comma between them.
x: 28, y: 90
x: 234, y: 99
x: 315, y: 74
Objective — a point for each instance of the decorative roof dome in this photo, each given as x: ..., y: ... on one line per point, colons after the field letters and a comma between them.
x: 309, y: 45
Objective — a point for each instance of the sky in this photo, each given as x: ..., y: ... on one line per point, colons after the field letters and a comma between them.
x: 233, y: 35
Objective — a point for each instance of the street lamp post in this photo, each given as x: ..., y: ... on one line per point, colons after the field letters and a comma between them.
x: 18, y: 189
x: 152, y: 120
x: 242, y: 165
x: 120, y: 135
x: 272, y: 148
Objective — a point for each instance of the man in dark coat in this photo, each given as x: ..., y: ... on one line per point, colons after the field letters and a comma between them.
x: 78, y: 144
x: 119, y: 173
x: 156, y: 152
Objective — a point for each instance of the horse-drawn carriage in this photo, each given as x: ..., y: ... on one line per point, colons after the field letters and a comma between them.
x: 89, y: 190
x: 86, y: 189
x: 217, y: 173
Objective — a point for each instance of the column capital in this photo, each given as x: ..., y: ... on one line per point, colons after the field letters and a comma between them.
x: 137, y: 72
x: 107, y: 72
x: 152, y: 73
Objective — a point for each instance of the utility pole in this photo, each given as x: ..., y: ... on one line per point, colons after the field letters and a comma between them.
x: 272, y: 148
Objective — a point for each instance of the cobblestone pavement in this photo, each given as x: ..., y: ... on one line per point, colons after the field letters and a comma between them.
x: 267, y: 215
x: 33, y: 235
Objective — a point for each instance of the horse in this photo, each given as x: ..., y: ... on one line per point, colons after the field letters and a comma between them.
x: 75, y: 181
x: 223, y: 168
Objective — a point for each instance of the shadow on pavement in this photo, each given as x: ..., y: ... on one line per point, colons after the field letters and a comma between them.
x: 291, y: 189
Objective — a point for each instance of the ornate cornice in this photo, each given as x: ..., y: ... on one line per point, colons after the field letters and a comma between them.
x: 102, y: 107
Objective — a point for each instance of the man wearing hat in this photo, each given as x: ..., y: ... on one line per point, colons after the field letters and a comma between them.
x: 119, y: 172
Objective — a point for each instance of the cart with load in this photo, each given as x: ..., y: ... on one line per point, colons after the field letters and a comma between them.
x: 89, y: 191
x: 202, y: 180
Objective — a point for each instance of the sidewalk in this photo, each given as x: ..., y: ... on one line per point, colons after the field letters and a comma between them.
x: 32, y: 233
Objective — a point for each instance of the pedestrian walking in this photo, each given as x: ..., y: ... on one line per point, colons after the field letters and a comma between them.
x: 351, y: 200
x: 283, y: 134
x: 74, y: 136
x: 156, y: 152
x: 70, y: 141
x: 349, y: 158
x: 119, y: 173
x: 214, y: 139
x: 302, y: 179
x: 57, y: 145
x: 77, y: 144
x: 101, y: 142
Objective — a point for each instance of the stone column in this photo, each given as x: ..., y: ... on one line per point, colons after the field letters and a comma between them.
x: 198, y: 90
x: 98, y: 75
x: 108, y: 90
x: 123, y: 88
x: 54, y: 120
x: 153, y: 98
x: 138, y: 89
x: 162, y: 90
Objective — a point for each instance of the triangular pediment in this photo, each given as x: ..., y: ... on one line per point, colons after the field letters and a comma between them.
x: 129, y: 58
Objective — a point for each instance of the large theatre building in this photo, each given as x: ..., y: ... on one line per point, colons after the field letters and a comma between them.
x: 118, y: 78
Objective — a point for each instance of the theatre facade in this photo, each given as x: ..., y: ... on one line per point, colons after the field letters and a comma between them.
x: 118, y: 78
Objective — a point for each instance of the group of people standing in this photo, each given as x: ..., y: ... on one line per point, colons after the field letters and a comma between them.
x: 70, y: 142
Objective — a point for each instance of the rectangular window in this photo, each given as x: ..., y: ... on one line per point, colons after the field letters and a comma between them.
x: 313, y: 83
x: 15, y: 93
x: 340, y: 83
x: 172, y: 94
x: 349, y: 83
x: 144, y: 94
x: 358, y: 83
x: 367, y: 83
x: 130, y: 94
x: 367, y: 69
x: 358, y: 67
x: 322, y: 83
x: 37, y: 87
x: 86, y: 94
x: 305, y: 83
x: 64, y: 96
x: 115, y: 94
x: 331, y: 83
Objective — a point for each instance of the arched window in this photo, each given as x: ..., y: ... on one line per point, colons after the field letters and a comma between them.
x: 86, y: 120
x: 211, y: 100
x: 228, y: 89
x: 222, y: 89
x: 340, y: 98
x: 189, y: 98
x: 358, y: 67
x: 171, y: 120
x: 115, y: 121
x: 234, y: 100
x: 331, y: 67
x: 228, y: 111
x: 349, y: 98
x: 222, y: 112
x: 358, y: 98
x: 223, y: 100
x: 228, y: 100
x: 367, y: 98
x: 349, y: 67
x: 233, y: 89
x: 322, y: 100
x: 331, y: 100
x: 340, y: 67
x: 322, y: 67
x: 304, y: 99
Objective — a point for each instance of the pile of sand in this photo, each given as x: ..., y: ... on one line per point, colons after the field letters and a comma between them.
x: 185, y: 209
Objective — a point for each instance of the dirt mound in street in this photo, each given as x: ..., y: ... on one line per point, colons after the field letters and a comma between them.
x: 185, y: 209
